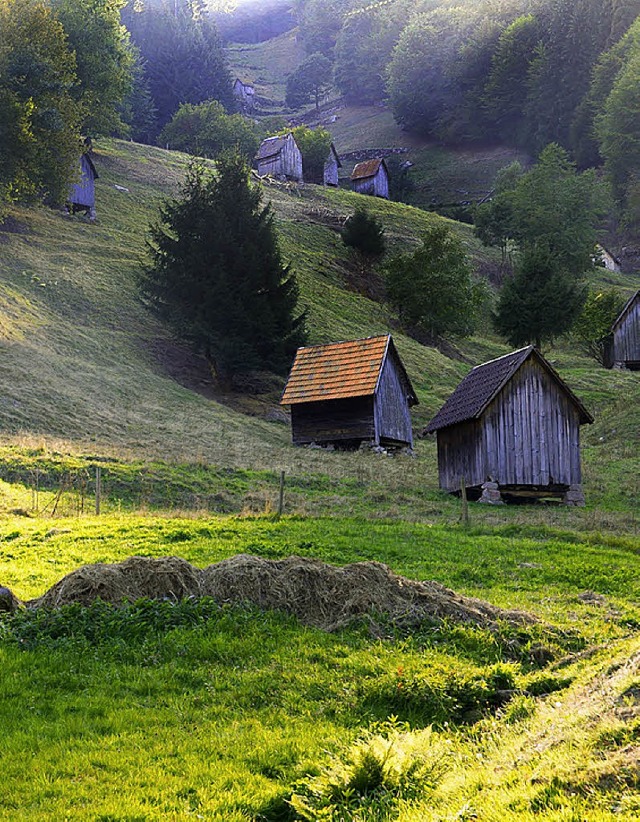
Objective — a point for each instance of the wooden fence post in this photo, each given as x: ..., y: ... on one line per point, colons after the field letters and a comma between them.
x: 281, y: 495
x: 465, y: 502
x: 98, y: 489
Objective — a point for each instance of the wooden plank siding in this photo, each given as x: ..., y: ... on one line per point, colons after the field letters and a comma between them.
x: 529, y: 435
x: 391, y: 408
x: 333, y: 421
x: 626, y: 337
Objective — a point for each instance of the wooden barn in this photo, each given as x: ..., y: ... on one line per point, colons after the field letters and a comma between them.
x: 371, y: 177
x: 511, y: 428
x: 82, y: 195
x: 347, y: 393
x: 280, y: 157
x: 624, y: 346
x: 245, y: 95
x: 331, y: 166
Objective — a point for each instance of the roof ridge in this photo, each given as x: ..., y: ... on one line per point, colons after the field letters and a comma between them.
x: 503, y: 356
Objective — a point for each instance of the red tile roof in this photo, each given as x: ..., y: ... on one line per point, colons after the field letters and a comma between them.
x: 337, y: 370
x: 369, y: 168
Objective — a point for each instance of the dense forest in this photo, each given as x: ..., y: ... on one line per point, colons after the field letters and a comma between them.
x: 518, y: 72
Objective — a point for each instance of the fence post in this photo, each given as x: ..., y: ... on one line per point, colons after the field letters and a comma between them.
x: 98, y: 489
x: 281, y: 495
x: 465, y: 502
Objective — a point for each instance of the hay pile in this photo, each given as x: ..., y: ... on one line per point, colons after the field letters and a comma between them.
x: 320, y: 595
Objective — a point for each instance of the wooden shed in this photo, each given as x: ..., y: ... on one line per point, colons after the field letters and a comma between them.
x: 346, y: 393
x: 280, y: 157
x: 245, y: 95
x: 511, y: 427
x: 331, y: 166
x: 82, y: 195
x: 624, y: 348
x: 371, y: 177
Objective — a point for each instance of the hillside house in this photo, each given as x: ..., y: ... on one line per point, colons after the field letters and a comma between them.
x: 281, y: 158
x: 331, y: 166
x: 371, y: 177
x: 82, y: 195
x: 245, y: 96
x: 624, y: 347
x: 512, y: 428
x: 347, y: 393
x: 608, y: 259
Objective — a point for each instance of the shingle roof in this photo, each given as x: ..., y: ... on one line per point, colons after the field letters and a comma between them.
x: 369, y: 168
x: 270, y: 147
x: 484, y: 382
x: 340, y: 371
x: 625, y: 310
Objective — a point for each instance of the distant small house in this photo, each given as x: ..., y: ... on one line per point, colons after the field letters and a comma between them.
x: 512, y: 427
x: 82, y: 195
x: 351, y: 392
x: 331, y: 167
x: 624, y: 347
x: 280, y: 157
x: 608, y: 259
x: 245, y: 95
x: 371, y: 177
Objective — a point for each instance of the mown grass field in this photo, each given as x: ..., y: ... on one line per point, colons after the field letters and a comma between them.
x: 163, y: 711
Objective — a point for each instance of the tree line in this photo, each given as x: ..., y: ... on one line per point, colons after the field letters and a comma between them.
x: 524, y: 73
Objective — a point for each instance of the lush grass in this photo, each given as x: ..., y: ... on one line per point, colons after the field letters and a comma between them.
x: 164, y: 711
x: 266, y: 65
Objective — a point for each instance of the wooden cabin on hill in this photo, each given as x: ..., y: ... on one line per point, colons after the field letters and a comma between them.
x: 245, y: 96
x: 624, y: 346
x: 347, y: 393
x: 512, y: 428
x: 82, y: 195
x: 281, y: 158
x: 331, y: 166
x: 371, y: 177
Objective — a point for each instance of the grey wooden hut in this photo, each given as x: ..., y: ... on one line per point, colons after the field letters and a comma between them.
x: 280, y: 157
x: 82, y: 195
x: 624, y: 346
x: 371, y: 177
x: 511, y: 428
x: 245, y: 95
x: 331, y: 166
x: 347, y: 393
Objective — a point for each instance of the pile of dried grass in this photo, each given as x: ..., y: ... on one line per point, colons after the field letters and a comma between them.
x: 320, y: 595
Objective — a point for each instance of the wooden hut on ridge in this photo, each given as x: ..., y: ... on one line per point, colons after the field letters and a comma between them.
x: 371, y: 177
x: 624, y: 346
x: 280, y: 157
x: 512, y: 427
x: 331, y: 166
x: 82, y: 195
x: 346, y: 393
x: 245, y: 95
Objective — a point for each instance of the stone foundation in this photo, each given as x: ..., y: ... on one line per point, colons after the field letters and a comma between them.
x: 574, y: 496
x: 491, y: 494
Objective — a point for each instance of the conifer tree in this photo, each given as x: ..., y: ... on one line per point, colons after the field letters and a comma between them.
x: 217, y: 278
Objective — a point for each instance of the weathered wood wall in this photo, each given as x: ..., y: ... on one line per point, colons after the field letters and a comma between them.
x: 626, y: 338
x: 333, y: 420
x: 287, y: 163
x: 331, y: 171
x: 391, y: 409
x: 84, y: 192
x: 377, y: 186
x: 528, y: 436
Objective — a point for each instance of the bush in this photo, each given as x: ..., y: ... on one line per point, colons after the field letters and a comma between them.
x: 363, y: 232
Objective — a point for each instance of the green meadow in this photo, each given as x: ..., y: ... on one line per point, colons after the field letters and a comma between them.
x: 199, y: 710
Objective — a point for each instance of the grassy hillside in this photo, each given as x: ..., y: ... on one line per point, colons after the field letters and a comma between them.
x: 174, y: 711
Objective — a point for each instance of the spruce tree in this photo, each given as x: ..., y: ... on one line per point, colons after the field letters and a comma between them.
x: 217, y: 277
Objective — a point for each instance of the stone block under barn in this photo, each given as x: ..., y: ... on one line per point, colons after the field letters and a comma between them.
x: 511, y: 429
x: 348, y: 393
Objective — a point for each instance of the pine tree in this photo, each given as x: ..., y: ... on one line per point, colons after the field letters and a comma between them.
x: 217, y: 277
x: 365, y: 233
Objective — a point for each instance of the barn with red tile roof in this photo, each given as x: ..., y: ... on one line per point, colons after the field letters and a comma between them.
x: 371, y: 177
x: 346, y: 393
